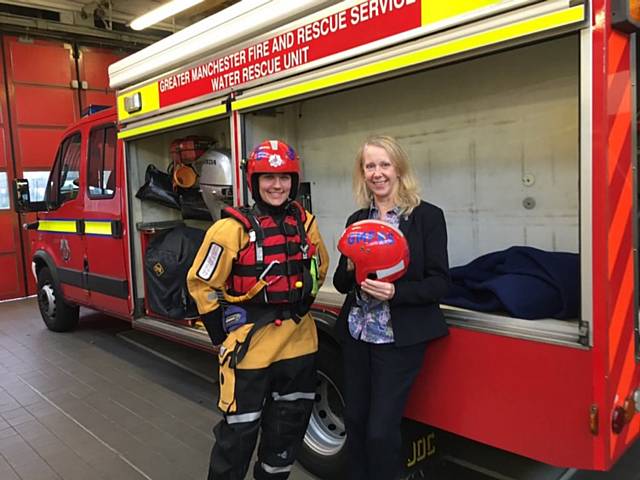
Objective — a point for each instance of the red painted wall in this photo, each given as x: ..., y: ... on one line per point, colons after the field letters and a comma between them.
x: 48, y: 85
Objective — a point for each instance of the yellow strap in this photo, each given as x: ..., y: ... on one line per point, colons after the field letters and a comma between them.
x: 247, y: 296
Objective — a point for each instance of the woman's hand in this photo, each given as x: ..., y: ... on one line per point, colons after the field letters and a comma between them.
x: 378, y: 289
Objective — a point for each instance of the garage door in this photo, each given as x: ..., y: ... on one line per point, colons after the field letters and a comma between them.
x: 48, y: 84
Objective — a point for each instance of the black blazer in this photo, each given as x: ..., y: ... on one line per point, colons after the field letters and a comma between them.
x: 415, y: 311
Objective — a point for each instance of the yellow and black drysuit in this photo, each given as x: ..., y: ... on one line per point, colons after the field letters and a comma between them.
x: 271, y: 267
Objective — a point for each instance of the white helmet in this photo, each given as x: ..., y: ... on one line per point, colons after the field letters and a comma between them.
x: 216, y: 180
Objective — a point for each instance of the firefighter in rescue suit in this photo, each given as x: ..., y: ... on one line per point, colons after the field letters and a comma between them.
x: 254, y: 279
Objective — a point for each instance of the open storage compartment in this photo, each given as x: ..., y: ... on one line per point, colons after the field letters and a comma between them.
x: 153, y: 219
x: 493, y: 140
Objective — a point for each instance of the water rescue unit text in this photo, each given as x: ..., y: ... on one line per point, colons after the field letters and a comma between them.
x: 282, y: 52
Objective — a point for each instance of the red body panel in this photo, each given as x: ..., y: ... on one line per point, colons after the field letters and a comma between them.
x: 70, y: 255
x: 527, y: 397
x: 107, y: 256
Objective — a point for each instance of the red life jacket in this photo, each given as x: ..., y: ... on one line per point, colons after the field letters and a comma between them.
x: 279, y: 253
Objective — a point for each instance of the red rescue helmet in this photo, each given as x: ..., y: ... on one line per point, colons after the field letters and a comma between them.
x: 377, y: 249
x: 273, y: 156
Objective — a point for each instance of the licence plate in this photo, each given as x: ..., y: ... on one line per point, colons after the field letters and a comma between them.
x: 418, y: 448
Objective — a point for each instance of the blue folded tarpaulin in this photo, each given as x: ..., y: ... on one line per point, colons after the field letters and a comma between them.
x: 525, y: 282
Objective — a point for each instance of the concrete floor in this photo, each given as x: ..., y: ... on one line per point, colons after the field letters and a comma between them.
x: 100, y: 403
x: 91, y: 405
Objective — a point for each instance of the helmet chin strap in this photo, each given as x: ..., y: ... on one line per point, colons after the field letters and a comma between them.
x: 269, y: 209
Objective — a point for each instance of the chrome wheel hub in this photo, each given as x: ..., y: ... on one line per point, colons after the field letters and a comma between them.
x: 326, y: 433
x: 47, y: 300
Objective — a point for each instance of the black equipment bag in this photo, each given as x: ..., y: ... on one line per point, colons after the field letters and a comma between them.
x: 192, y: 205
x: 158, y: 188
x: 167, y: 260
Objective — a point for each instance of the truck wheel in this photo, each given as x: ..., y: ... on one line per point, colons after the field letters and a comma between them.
x: 58, y: 316
x: 323, y: 452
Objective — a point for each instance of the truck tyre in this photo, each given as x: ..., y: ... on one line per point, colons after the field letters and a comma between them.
x: 58, y: 315
x: 323, y: 452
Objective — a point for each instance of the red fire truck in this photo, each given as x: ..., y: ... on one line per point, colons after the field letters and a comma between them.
x: 520, y: 119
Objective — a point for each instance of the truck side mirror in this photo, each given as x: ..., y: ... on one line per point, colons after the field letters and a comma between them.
x: 22, y: 199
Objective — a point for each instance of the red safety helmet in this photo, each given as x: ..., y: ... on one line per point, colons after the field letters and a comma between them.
x: 273, y: 156
x: 377, y: 249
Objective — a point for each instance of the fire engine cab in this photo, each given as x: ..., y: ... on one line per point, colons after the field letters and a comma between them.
x: 519, y: 117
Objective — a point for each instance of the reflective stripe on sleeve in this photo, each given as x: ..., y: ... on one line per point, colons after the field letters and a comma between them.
x: 290, y: 397
x: 243, y: 417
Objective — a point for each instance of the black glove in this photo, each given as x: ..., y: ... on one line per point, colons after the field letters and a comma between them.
x: 213, y: 323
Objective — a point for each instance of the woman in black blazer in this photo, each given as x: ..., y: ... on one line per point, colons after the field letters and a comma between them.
x: 385, y: 326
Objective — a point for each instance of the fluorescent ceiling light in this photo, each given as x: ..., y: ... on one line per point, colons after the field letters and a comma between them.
x: 167, y: 10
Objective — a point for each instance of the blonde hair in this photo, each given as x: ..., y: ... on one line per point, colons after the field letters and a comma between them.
x: 407, y: 195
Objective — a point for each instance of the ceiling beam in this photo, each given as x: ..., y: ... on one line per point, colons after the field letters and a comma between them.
x: 123, y: 16
x: 206, y: 8
x: 40, y: 27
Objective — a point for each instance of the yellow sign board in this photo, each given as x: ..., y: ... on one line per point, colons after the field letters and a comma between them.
x: 436, y: 10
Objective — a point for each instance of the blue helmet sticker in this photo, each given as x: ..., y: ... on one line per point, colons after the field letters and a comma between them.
x: 370, y: 237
